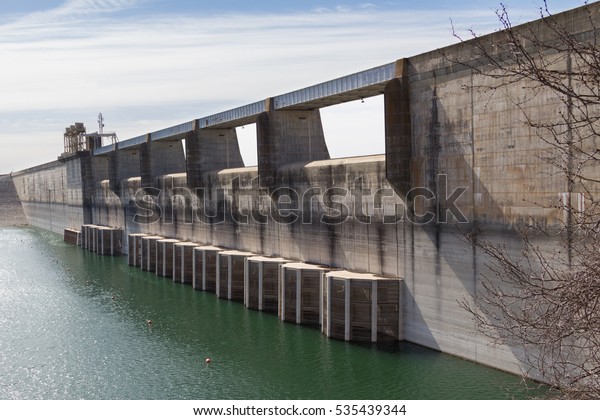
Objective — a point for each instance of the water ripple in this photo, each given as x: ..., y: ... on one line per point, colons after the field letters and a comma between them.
x: 73, y: 326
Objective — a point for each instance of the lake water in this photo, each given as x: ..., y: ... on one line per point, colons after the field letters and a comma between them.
x: 73, y: 326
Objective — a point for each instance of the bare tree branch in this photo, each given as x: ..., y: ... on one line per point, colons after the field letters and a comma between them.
x: 547, y: 301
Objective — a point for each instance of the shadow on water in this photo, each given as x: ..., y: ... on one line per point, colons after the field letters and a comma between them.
x: 82, y: 332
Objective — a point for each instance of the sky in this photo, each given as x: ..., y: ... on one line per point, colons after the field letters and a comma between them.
x: 150, y: 64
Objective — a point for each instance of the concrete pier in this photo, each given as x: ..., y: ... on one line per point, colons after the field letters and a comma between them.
x: 165, y: 257
x: 85, y: 229
x: 149, y: 252
x: 87, y: 236
x: 361, y: 307
x: 100, y: 236
x: 183, y: 267
x: 300, y: 293
x: 205, y: 268
x: 92, y: 238
x: 109, y: 240
x: 230, y: 274
x: 210, y: 150
x: 72, y: 236
x: 285, y: 137
x: 134, y: 257
x: 471, y: 154
x: 159, y: 158
x: 261, y: 283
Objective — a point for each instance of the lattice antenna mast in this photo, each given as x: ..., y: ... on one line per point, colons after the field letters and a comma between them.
x: 100, y: 123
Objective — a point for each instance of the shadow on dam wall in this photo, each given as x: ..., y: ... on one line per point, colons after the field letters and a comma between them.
x: 439, y: 266
x: 498, y: 159
x: 458, y: 138
x: 11, y: 210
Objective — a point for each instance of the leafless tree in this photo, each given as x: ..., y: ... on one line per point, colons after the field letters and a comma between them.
x: 546, y: 297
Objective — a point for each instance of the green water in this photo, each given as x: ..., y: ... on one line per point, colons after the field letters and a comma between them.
x: 73, y: 326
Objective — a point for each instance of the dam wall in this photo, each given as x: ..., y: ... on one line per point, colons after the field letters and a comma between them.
x: 11, y: 211
x: 52, y: 195
x: 460, y: 159
x: 340, y: 213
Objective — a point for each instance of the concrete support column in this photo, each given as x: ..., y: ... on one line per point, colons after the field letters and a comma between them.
x: 231, y: 276
x: 165, y: 257
x: 99, y: 172
x: 100, y: 165
x: 374, y: 312
x: 362, y: 307
x: 347, y: 291
x: 282, y: 300
x: 109, y: 241
x: 159, y: 158
x: 301, y: 293
x: 287, y: 136
x: 210, y: 149
x: 122, y: 164
x: 261, y: 283
x: 93, y: 238
x: 134, y: 256
x: 205, y: 267
x: 326, y: 310
x: 149, y: 251
x: 299, y: 299
x: 398, y: 135
x: 88, y: 185
x: 86, y: 234
x: 72, y: 236
x: 183, y: 264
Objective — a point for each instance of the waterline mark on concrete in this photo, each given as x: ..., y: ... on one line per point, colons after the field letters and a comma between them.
x: 286, y: 205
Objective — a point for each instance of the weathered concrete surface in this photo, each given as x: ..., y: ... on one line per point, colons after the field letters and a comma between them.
x: 300, y: 293
x: 160, y: 158
x: 52, y: 195
x: 287, y: 137
x: 350, y: 213
x: 210, y: 150
x: 361, y: 307
x: 438, y: 266
x: 11, y: 211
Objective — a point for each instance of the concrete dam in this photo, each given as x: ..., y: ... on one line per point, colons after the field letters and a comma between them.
x: 369, y: 248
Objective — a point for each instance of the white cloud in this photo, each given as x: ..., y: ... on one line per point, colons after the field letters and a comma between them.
x: 95, y: 6
x: 79, y: 59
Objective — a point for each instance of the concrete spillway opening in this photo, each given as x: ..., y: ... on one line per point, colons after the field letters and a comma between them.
x: 354, y: 128
x: 246, y: 135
